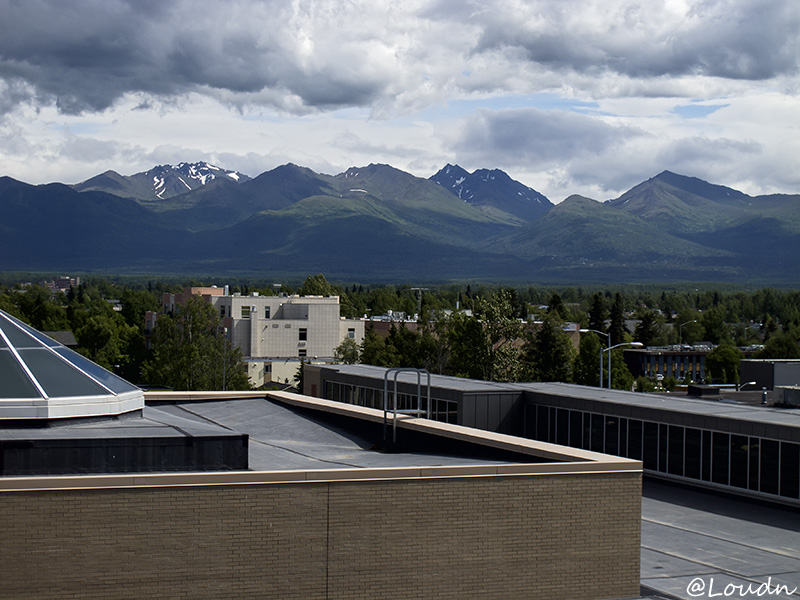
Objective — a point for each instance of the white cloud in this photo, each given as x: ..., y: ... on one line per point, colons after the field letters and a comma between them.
x: 93, y: 85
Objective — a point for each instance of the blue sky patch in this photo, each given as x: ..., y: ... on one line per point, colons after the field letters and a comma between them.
x: 697, y: 111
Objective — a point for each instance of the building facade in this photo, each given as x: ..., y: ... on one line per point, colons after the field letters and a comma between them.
x: 275, y: 333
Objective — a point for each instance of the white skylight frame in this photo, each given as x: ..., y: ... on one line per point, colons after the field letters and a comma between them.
x: 49, y: 405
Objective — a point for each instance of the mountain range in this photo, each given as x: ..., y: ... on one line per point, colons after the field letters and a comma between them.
x: 378, y: 223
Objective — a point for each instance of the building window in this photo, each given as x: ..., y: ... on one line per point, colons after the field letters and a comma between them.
x: 303, y: 335
x: 245, y: 312
x: 266, y: 312
x: 720, y: 457
x: 222, y: 311
x: 693, y: 453
x: 740, y: 454
x: 790, y: 467
x: 302, y: 352
x: 351, y: 333
x: 770, y: 466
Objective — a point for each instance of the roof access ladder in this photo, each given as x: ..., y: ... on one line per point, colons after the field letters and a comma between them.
x: 419, y: 411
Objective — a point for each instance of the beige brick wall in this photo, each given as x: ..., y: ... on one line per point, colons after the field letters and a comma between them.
x: 545, y: 536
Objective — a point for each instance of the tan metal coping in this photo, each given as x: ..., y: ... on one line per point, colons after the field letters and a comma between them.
x: 572, y: 461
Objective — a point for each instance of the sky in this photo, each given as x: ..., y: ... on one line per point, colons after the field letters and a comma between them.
x: 585, y: 97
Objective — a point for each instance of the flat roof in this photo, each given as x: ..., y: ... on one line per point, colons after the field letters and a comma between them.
x: 695, y: 543
x: 406, y: 376
x: 294, y: 438
x: 766, y: 415
x: 282, y: 439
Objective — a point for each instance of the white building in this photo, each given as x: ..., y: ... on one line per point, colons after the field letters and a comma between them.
x: 276, y: 332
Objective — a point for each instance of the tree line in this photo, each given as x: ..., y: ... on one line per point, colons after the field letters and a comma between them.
x: 481, y: 332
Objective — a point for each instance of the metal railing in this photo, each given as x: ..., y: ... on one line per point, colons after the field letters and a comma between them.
x: 418, y: 411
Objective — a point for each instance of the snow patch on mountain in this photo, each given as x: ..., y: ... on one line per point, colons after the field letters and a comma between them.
x: 171, y: 180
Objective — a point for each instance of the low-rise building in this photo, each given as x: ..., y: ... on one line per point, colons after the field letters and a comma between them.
x: 275, y: 333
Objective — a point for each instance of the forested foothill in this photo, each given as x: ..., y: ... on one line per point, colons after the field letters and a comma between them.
x: 481, y: 331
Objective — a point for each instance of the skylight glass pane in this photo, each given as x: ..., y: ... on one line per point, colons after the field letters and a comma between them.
x: 111, y: 381
x: 47, y: 341
x: 57, y: 378
x: 14, y: 383
x: 7, y: 322
x: 17, y: 338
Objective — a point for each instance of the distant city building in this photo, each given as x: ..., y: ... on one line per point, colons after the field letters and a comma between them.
x: 688, y: 362
x: 681, y: 362
x: 60, y: 284
x: 274, y: 333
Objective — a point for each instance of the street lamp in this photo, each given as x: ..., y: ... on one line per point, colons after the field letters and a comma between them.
x: 225, y: 359
x: 680, y: 333
x: 741, y: 385
x: 608, y: 338
x: 610, y: 348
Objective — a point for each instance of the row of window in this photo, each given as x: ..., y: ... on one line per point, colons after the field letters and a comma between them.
x: 246, y: 312
x: 757, y: 464
x: 441, y: 410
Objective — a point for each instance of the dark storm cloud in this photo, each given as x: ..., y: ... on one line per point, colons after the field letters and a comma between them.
x: 736, y: 39
x: 533, y: 137
x: 84, y: 55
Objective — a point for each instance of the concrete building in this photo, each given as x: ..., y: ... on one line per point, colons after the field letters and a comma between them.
x: 275, y: 332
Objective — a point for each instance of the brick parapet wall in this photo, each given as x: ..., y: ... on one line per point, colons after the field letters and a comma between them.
x: 556, y: 536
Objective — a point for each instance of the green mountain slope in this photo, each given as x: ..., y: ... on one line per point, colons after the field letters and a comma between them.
x: 54, y: 227
x: 380, y: 223
x: 690, y: 207
x: 581, y: 234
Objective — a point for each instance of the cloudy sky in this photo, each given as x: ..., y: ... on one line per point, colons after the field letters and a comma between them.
x: 567, y: 96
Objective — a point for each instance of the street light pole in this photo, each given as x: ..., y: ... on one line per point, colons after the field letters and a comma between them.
x: 225, y: 359
x: 610, y: 348
x: 608, y: 337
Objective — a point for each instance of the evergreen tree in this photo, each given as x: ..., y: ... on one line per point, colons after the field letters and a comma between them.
x: 649, y: 331
x: 616, y: 327
x: 317, y: 285
x: 621, y: 377
x: 557, y: 307
x: 374, y: 351
x: 550, y: 353
x: 598, y: 313
x: 715, y: 329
